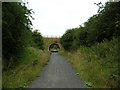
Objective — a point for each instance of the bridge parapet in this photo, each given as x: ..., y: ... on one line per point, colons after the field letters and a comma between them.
x: 48, y: 41
x: 51, y: 36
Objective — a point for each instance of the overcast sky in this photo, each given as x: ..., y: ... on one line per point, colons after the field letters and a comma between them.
x: 54, y: 17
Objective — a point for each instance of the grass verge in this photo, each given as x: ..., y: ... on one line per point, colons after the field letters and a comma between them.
x: 97, y: 65
x: 32, y: 62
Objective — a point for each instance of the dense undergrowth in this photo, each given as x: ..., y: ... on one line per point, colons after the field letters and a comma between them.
x: 32, y: 61
x: 93, y: 48
x: 23, y: 54
x: 98, y: 65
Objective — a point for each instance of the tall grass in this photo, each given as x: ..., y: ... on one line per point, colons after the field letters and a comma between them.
x: 32, y: 62
x: 97, y: 65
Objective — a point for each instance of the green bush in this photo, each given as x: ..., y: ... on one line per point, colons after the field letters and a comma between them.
x: 104, y: 25
x: 98, y: 65
x: 67, y: 39
x: 107, y: 58
x: 98, y: 41
x: 38, y: 39
x: 16, y: 32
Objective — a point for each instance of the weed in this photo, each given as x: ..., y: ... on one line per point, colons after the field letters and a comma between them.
x: 31, y: 63
x: 97, y: 65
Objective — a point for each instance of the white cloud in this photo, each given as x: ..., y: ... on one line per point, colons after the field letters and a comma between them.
x: 54, y: 17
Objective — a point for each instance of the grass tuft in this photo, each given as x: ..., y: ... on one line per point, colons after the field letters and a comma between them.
x: 97, y: 65
x: 32, y: 61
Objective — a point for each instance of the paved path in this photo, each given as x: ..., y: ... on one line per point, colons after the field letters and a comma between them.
x: 57, y: 74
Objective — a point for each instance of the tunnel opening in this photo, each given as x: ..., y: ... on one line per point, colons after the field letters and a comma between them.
x: 54, y: 47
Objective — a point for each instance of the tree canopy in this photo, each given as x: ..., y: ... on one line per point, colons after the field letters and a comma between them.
x: 16, y: 31
x: 104, y: 25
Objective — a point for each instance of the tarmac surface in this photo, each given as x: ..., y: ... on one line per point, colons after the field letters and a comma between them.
x: 57, y: 74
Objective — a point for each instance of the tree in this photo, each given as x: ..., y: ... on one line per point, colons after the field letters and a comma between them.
x: 38, y: 39
x: 16, y: 30
x: 67, y: 39
x: 104, y: 25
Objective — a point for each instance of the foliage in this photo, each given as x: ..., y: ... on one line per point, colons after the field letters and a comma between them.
x: 99, y: 27
x: 67, y: 39
x: 16, y: 32
x: 96, y: 44
x: 97, y: 65
x: 38, y: 39
x: 32, y: 62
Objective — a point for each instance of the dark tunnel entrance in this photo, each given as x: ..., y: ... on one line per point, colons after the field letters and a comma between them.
x: 54, y: 47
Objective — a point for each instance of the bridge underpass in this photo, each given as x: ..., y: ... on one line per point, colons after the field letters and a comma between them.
x: 54, y: 47
x: 52, y: 44
x: 58, y: 73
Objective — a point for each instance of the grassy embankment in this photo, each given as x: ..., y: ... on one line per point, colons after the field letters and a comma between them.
x: 96, y: 65
x: 32, y: 62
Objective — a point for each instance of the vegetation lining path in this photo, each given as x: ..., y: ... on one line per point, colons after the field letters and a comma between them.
x: 57, y: 74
